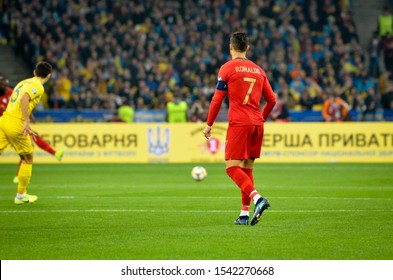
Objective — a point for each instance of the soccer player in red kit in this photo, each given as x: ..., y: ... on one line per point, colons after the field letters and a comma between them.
x: 5, y: 93
x: 245, y: 83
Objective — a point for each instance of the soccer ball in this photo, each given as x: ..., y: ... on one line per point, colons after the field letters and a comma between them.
x: 198, y: 173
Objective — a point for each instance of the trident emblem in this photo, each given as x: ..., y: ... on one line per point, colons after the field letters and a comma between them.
x: 159, y: 147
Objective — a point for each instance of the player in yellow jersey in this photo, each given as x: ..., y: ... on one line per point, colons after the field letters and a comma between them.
x: 15, y: 125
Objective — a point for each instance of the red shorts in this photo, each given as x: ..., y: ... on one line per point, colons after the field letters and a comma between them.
x: 243, y: 142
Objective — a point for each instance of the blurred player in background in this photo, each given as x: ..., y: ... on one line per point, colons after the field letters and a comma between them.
x: 5, y: 93
x: 245, y: 83
x: 15, y: 125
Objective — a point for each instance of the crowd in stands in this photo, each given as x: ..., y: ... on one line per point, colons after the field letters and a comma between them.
x: 146, y: 53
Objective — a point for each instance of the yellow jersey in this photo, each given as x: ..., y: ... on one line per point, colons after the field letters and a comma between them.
x: 33, y: 88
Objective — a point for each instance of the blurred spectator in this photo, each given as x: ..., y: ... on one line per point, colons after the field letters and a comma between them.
x: 305, y: 101
x: 288, y: 97
x: 387, y: 47
x: 356, y: 103
x: 177, y: 110
x: 318, y: 99
x: 297, y: 85
x: 335, y: 109
x: 370, y: 103
x: 385, y: 23
x: 126, y: 113
x: 57, y: 101
x: 89, y: 100
x: 74, y: 103
x: 280, y: 112
x: 198, y: 110
x: 63, y: 86
x: 387, y: 97
x: 374, y: 48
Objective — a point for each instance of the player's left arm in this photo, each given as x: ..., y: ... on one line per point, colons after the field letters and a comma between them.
x: 269, y: 97
x: 24, y: 106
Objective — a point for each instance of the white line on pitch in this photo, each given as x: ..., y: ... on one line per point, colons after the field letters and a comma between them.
x: 187, y: 211
x: 228, y: 197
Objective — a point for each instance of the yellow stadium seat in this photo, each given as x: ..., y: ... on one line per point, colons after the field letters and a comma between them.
x: 317, y: 107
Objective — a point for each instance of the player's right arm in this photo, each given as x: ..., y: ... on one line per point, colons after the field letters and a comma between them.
x: 215, y: 104
x: 214, y: 109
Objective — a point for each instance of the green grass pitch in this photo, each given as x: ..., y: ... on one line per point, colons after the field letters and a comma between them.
x: 156, y: 211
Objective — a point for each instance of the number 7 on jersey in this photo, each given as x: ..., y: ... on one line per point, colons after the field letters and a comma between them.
x: 252, y: 81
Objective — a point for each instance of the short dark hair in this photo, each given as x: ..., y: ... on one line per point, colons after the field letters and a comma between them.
x: 239, y: 41
x: 43, y: 69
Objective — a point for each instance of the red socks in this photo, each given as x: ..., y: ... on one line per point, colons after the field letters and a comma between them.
x: 43, y: 145
x: 242, y: 180
x: 245, y: 198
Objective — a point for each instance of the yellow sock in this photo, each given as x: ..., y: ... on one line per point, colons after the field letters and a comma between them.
x: 24, y: 177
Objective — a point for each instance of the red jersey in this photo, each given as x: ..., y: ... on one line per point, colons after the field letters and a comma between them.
x: 245, y: 83
x: 4, y: 100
